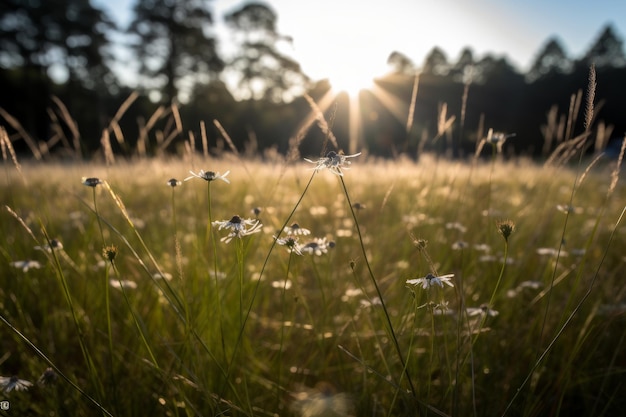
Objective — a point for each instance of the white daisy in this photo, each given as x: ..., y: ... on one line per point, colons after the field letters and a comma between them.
x: 291, y: 243
x: 209, y: 176
x: 91, y: 182
x: 430, y: 280
x: 8, y: 384
x: 296, y: 230
x: 26, y: 265
x: 333, y: 161
x: 238, y: 227
x: 482, y: 311
x: 316, y: 247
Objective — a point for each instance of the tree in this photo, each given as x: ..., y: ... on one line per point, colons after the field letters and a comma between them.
x: 400, y: 63
x: 607, y: 51
x: 262, y: 70
x: 62, y: 38
x: 550, y: 60
x: 436, y: 63
x: 173, y: 43
x: 463, y: 69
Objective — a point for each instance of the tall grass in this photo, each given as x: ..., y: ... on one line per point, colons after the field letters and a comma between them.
x: 172, y: 320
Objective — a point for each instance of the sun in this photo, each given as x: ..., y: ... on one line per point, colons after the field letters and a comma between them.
x: 349, y: 75
x: 351, y: 82
x: 352, y: 79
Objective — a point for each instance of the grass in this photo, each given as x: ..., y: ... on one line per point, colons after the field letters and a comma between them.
x: 173, y: 301
x: 247, y: 328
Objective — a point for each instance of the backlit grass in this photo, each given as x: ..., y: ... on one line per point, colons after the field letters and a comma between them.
x: 176, y: 322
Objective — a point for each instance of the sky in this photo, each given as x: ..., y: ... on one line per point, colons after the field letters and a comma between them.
x: 349, y: 41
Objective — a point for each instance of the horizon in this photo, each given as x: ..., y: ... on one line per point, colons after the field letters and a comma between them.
x: 504, y: 29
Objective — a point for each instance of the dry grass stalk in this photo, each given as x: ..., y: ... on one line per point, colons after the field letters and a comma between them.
x: 549, y: 130
x: 591, y: 95
x: 616, y: 171
x: 603, y: 134
x: 145, y: 129
x: 105, y: 141
x: 22, y: 133
x: 443, y: 122
x: 226, y: 137
x: 70, y: 123
x: 411, y: 116
x: 574, y: 107
x: 117, y: 132
x: 58, y: 134
x: 205, y: 141
x: 6, y: 145
x: 321, y: 121
x: 588, y: 169
x: 191, y: 144
x: 172, y: 131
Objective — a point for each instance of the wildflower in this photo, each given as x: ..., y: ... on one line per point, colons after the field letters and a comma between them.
x: 430, y: 280
x: 165, y: 275
x: 551, y: 252
x: 459, y: 245
x: 173, y: 182
x: 358, y: 206
x: 533, y: 285
x: 209, y: 176
x: 91, y: 182
x: 420, y: 244
x: 256, y: 211
x: 365, y: 303
x: 483, y: 247
x: 291, y: 243
x: 315, y: 247
x: 497, y: 139
x: 350, y: 293
x: 48, y: 377
x: 239, y: 227
x: 109, y: 253
x: 483, y: 311
x: 283, y: 284
x: 506, y: 228
x: 123, y: 284
x: 456, y: 225
x: 333, y: 161
x: 8, y: 384
x: 54, y: 244
x: 296, y: 230
x: 26, y: 265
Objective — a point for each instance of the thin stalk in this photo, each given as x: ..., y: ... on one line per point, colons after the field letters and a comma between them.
x: 378, y: 291
x: 258, y: 283
x: 569, y: 318
x: 135, y: 319
x: 282, y: 331
x: 211, y: 239
x: 54, y: 366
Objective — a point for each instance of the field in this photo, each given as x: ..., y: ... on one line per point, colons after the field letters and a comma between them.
x: 134, y: 302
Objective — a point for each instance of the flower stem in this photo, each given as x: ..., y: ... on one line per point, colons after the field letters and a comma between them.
x: 378, y: 292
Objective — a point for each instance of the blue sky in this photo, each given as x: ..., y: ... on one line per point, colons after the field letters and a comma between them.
x: 337, y: 38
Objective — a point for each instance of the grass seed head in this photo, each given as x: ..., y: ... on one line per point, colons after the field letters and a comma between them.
x: 506, y: 228
x: 109, y: 252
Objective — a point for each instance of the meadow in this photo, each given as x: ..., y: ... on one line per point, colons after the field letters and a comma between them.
x: 333, y: 285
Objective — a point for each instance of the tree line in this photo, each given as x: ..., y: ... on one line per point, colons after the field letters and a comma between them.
x: 57, y: 60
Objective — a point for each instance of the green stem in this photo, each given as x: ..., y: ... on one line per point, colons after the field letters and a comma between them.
x: 379, y: 292
x: 258, y: 283
x: 218, y: 301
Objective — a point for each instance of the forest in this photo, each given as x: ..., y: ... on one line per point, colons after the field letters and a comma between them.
x: 59, y: 86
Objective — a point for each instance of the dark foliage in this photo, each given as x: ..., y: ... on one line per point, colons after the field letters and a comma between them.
x: 173, y: 42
